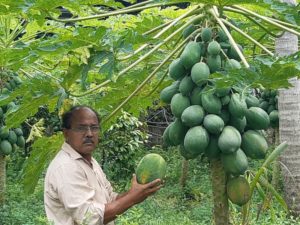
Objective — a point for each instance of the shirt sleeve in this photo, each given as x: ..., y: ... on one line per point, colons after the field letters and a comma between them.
x: 113, y: 195
x: 77, y: 195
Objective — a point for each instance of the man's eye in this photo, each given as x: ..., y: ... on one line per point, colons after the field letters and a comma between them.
x: 86, y: 128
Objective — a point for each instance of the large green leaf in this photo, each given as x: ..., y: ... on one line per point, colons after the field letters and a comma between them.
x: 43, y: 151
x: 271, y: 73
x: 29, y: 97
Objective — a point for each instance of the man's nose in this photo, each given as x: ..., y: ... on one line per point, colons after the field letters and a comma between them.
x: 89, y: 132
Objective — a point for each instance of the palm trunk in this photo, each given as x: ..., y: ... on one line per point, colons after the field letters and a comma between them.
x: 289, y: 126
x: 221, y: 207
x: 2, y: 179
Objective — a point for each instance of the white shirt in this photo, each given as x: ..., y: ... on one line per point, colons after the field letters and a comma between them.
x: 75, y: 192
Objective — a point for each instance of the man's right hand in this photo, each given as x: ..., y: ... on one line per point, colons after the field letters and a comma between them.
x: 139, y: 192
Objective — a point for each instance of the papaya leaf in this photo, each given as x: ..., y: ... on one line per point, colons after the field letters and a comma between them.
x: 74, y: 72
x: 275, y: 153
x: 43, y: 151
x: 29, y: 96
x: 264, y: 72
x: 263, y: 182
x: 27, y: 109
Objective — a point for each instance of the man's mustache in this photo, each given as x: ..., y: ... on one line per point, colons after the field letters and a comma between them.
x: 87, y: 141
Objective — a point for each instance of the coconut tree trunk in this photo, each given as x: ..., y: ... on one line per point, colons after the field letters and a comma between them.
x: 289, y: 126
x: 221, y: 206
x: 2, y: 179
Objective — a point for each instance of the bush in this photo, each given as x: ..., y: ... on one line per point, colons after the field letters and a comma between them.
x: 122, y: 143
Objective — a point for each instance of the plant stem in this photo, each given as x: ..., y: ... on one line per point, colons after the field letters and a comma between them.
x: 2, y: 179
x: 218, y: 179
x: 46, y: 74
x: 27, y: 74
x: 268, y: 20
x: 114, y: 13
x: 140, y: 59
x: 184, y: 172
x: 248, y: 37
x: 162, y: 32
x: 157, y: 28
x: 275, y: 166
x: 147, y: 79
x: 253, y: 20
x: 139, y: 4
x: 214, y: 12
x: 285, y: 23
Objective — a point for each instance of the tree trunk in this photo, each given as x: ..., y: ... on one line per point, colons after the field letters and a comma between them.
x: 289, y: 126
x: 2, y: 179
x: 221, y: 207
x: 184, y: 172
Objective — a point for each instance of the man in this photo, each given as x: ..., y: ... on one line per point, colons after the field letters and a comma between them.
x: 76, y: 189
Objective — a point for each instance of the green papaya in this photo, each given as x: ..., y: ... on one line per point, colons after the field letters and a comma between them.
x: 190, y: 55
x: 199, y: 73
x: 179, y: 103
x: 230, y: 140
x: 176, y: 70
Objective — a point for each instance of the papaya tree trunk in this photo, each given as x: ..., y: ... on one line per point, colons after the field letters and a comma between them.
x: 221, y: 206
x: 2, y: 179
x: 289, y: 125
x: 184, y: 172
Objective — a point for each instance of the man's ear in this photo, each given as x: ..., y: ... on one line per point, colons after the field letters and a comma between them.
x: 66, y: 134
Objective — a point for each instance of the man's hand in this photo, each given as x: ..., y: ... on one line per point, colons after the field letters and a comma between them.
x: 136, y: 194
x: 139, y: 192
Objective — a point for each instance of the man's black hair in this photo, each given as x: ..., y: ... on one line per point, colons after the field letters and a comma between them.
x: 67, y: 116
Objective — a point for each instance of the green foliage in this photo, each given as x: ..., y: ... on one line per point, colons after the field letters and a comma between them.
x: 21, y: 209
x: 34, y: 93
x: 271, y: 73
x: 43, y: 151
x: 121, y: 145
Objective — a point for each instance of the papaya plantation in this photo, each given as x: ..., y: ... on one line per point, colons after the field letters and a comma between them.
x: 225, y: 74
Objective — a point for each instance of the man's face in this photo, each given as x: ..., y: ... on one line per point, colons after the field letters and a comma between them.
x: 83, y: 134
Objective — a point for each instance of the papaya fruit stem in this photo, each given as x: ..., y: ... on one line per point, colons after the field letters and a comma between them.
x: 248, y: 37
x: 214, y: 12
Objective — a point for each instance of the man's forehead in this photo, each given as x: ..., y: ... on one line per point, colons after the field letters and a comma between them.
x: 84, y: 114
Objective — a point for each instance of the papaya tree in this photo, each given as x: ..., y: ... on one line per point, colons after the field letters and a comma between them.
x: 286, y: 45
x: 115, y: 57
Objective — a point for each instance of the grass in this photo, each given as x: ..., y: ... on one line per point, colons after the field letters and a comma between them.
x: 171, y: 205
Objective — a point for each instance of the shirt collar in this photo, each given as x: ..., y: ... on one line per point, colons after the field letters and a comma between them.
x: 71, y: 151
x: 75, y: 155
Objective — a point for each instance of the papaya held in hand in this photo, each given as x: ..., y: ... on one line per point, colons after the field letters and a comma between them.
x: 152, y: 166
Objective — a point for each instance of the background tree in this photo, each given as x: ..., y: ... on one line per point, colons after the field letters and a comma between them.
x: 290, y: 125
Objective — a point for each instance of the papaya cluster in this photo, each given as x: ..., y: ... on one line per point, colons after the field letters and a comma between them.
x: 216, y: 122
x: 10, y: 139
x: 268, y: 101
x: 10, y: 80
